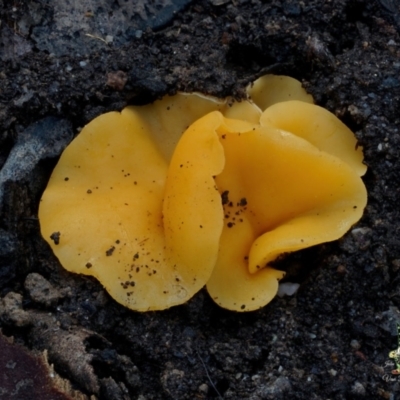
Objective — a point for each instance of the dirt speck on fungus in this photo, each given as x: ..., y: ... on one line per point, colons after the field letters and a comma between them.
x: 61, y: 66
x: 110, y: 251
x: 55, y: 237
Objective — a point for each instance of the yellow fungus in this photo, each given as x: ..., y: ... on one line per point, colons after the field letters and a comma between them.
x: 166, y: 119
x: 272, y: 89
x: 116, y: 232
x: 158, y: 201
x: 283, y: 194
x: 319, y: 127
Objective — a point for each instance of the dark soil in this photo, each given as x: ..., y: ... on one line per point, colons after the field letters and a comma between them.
x: 65, y: 62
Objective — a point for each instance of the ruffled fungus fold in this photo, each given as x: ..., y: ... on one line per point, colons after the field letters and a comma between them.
x: 282, y: 194
x: 159, y: 200
x: 192, y: 210
x: 319, y: 127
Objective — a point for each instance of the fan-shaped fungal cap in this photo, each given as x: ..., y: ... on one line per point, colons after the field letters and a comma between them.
x: 105, y: 199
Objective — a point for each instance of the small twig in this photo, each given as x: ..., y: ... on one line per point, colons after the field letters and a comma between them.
x: 95, y: 37
x: 208, y: 375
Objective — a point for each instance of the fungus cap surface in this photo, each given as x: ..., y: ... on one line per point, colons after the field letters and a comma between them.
x: 105, y: 200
